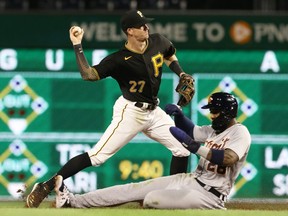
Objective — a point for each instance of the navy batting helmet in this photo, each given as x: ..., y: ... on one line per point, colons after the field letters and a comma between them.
x: 225, y: 104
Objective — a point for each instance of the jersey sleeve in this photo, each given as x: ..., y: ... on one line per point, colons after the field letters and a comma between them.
x: 106, y: 67
x: 169, y: 47
x: 201, y: 133
x: 241, y: 141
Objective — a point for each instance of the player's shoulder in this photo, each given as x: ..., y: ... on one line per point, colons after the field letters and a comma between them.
x: 157, y: 37
x: 241, y: 127
x: 116, y: 55
x: 241, y: 130
x: 207, y: 129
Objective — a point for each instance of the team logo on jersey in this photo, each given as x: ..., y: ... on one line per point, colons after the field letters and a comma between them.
x: 127, y: 57
x: 212, y: 145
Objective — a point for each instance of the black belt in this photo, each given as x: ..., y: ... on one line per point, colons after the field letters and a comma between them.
x: 146, y: 106
x: 212, y: 190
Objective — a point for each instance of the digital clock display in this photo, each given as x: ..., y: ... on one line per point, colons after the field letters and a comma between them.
x: 140, y: 170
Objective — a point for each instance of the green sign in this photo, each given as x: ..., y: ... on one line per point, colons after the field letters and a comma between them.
x: 102, y: 31
x: 22, y: 162
x: 26, y: 162
x: 198, y: 61
x: 260, y: 97
x: 48, y: 118
x: 35, y: 102
x: 265, y: 173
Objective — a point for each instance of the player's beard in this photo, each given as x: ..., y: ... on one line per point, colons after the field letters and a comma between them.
x: 221, y: 123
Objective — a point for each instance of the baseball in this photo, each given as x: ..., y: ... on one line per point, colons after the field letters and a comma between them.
x: 77, y: 31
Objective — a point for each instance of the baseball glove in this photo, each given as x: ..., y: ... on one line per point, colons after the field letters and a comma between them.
x: 186, y: 89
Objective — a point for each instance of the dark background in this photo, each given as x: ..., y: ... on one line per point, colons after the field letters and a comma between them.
x: 114, y: 5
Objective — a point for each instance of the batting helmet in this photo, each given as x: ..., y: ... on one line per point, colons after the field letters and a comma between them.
x: 225, y: 104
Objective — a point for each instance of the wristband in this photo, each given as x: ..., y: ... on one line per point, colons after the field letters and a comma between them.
x: 78, y: 48
x: 217, y: 156
x: 175, y: 67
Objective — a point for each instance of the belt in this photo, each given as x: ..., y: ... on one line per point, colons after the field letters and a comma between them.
x: 145, y: 106
x: 212, y: 190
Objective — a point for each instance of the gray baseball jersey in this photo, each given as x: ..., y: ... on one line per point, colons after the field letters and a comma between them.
x: 236, y: 138
x: 192, y: 190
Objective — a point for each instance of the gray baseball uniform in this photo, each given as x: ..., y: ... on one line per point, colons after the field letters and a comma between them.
x: 206, y: 188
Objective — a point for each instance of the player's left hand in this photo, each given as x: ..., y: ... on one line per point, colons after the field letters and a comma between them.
x: 185, y: 139
x: 174, y: 110
x: 186, y: 89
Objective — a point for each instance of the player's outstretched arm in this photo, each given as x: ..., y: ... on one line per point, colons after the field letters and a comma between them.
x: 185, y: 86
x: 181, y: 121
x: 173, y: 64
x: 224, y: 157
x: 87, y: 72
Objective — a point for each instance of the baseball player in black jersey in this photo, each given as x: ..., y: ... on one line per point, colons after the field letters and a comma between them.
x: 137, y: 67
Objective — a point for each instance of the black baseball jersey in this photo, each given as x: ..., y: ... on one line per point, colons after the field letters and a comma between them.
x: 138, y: 74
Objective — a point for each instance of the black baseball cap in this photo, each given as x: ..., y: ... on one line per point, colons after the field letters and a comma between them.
x: 134, y: 18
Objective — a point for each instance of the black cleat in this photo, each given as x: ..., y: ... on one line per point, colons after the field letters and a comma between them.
x: 39, y: 192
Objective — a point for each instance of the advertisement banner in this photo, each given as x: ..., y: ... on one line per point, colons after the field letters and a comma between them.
x: 189, y: 31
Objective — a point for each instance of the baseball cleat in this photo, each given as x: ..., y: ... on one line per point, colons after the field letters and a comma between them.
x: 39, y: 192
x: 62, y: 193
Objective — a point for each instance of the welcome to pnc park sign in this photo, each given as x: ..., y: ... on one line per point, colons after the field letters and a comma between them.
x: 185, y: 31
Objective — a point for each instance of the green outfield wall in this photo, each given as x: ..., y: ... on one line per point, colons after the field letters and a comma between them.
x: 48, y: 114
x: 46, y: 118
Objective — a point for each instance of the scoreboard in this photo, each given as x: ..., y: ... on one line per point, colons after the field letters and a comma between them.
x: 48, y: 115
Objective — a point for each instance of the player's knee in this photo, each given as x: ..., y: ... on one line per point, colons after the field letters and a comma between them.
x: 95, y: 161
x: 151, y: 200
x: 147, y: 202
